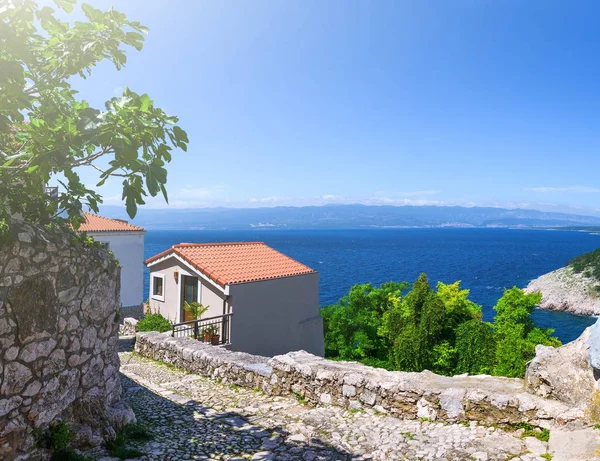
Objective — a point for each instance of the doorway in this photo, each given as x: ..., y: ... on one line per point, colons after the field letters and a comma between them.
x: 190, y: 294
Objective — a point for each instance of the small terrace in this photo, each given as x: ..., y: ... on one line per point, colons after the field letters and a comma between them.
x: 211, y: 330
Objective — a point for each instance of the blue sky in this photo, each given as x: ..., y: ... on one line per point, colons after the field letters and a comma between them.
x: 308, y: 102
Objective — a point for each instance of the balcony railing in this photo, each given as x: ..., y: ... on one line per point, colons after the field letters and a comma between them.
x: 212, y: 330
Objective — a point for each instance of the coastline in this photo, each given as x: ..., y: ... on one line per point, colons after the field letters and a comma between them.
x: 567, y: 291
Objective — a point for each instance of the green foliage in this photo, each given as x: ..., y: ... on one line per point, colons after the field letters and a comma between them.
x: 516, y: 334
x: 351, y: 326
x: 475, y: 347
x: 132, y: 432
x: 422, y: 327
x: 195, y: 308
x: 5, y: 237
x: 57, y: 437
x: 46, y: 131
x: 154, y: 322
x: 439, y: 330
x: 137, y: 431
x: 530, y: 430
x: 588, y: 263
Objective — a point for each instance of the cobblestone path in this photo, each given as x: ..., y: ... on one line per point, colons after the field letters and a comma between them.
x: 193, y: 417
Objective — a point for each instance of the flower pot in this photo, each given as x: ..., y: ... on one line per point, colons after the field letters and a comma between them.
x: 207, y: 338
x: 214, y: 340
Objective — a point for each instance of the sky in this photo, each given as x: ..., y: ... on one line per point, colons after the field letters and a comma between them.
x: 454, y: 102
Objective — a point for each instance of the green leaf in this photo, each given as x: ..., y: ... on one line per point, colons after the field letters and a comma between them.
x: 145, y: 102
x: 134, y: 39
x: 180, y: 135
x: 31, y: 169
x: 66, y: 5
x: 164, y: 192
x: 92, y: 13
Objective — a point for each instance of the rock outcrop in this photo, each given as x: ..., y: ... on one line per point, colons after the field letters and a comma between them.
x: 128, y: 327
x: 563, y: 373
x: 565, y: 290
x: 59, y: 305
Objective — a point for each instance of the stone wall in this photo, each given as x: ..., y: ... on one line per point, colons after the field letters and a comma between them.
x: 135, y: 312
x: 353, y: 385
x: 59, y: 304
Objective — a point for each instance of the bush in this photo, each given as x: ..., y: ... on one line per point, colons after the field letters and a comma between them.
x: 5, y: 237
x: 57, y: 437
x: 588, y: 263
x: 132, y: 432
x: 475, y: 346
x: 154, y: 322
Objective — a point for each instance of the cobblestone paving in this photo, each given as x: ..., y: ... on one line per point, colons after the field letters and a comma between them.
x: 193, y: 417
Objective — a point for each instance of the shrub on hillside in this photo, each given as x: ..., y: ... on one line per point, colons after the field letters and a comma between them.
x: 154, y: 322
x: 433, y: 329
x: 476, y: 347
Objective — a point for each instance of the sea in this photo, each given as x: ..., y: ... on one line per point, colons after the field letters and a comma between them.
x: 486, y: 261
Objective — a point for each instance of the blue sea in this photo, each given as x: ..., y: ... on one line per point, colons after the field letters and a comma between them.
x: 486, y: 260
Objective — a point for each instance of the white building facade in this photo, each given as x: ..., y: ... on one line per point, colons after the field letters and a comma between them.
x: 126, y: 241
x: 259, y: 300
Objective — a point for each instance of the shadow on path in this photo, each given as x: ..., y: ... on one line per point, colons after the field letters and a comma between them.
x: 184, y: 429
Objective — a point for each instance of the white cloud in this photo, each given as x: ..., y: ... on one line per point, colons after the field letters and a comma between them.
x: 584, y: 189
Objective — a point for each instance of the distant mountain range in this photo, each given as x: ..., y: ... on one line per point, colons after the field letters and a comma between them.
x: 348, y: 217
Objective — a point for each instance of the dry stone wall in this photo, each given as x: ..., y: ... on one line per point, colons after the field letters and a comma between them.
x: 354, y: 386
x: 59, y: 304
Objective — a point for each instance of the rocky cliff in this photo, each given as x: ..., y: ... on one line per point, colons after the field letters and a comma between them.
x: 565, y: 290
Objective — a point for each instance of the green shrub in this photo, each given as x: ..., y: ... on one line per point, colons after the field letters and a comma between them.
x: 5, y: 236
x: 137, y: 431
x: 588, y: 263
x: 117, y: 446
x: 475, y: 346
x: 154, y: 322
x: 57, y: 437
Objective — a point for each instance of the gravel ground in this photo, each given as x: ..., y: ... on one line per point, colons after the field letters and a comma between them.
x: 193, y: 417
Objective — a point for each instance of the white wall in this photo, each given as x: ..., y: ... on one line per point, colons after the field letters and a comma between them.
x: 277, y: 316
x: 128, y: 248
x: 170, y: 306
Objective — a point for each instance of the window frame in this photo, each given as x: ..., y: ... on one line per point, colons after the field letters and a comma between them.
x: 154, y: 296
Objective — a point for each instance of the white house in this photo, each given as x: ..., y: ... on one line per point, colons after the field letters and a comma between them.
x: 259, y: 300
x: 126, y: 241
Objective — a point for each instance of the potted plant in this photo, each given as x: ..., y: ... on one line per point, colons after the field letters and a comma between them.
x: 195, y: 308
x: 211, y: 335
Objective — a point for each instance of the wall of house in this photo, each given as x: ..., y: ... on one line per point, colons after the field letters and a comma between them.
x: 208, y: 295
x: 59, y: 305
x: 128, y: 248
x: 168, y: 307
x: 277, y: 316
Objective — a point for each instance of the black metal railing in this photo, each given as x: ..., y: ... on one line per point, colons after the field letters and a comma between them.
x: 212, y: 330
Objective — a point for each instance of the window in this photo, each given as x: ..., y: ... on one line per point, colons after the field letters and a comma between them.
x: 158, y: 287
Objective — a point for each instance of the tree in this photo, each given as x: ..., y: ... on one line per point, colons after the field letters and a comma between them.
x: 352, y: 325
x: 516, y: 334
x: 46, y: 130
x: 475, y: 347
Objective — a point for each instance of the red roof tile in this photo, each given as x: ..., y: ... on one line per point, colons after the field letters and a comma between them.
x: 95, y: 223
x: 236, y: 262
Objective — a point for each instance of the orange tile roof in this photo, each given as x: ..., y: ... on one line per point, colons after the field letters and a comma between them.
x: 236, y: 262
x: 95, y: 223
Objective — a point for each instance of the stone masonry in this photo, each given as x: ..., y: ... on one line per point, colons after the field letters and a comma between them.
x: 355, y: 386
x: 59, y: 304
